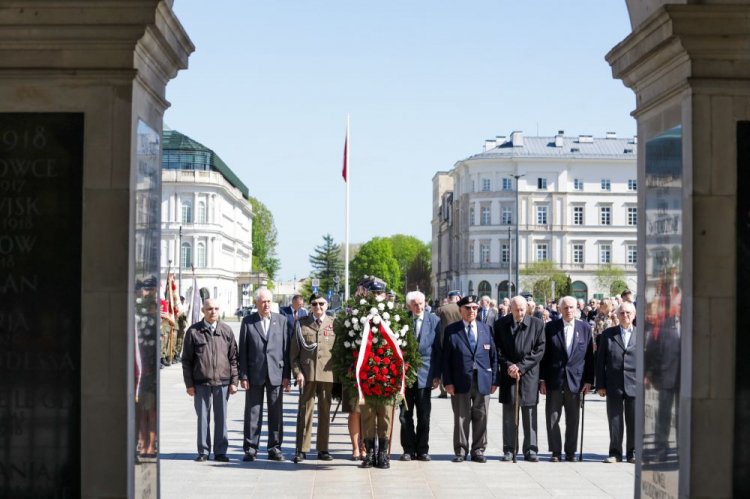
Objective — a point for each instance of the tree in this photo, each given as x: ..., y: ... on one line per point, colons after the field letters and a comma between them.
x: 375, y: 257
x: 538, y: 278
x: 326, y: 263
x: 418, y: 272
x: 406, y: 250
x: 264, y: 237
x: 607, y: 275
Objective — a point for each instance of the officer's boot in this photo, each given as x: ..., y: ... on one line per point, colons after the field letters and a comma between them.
x: 369, y: 459
x: 384, y: 461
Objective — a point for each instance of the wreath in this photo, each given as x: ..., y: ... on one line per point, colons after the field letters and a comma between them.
x: 375, y: 354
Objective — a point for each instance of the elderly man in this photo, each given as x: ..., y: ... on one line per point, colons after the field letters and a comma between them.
x: 426, y: 330
x: 448, y: 313
x: 209, y: 368
x: 615, y: 379
x: 520, y: 344
x: 264, y: 369
x: 486, y: 314
x: 567, y: 371
x: 470, y: 377
x: 312, y: 365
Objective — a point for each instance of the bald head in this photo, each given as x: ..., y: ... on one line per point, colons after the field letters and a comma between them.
x: 518, y: 307
x: 211, y: 310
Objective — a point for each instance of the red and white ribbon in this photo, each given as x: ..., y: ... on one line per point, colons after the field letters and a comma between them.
x: 366, y: 347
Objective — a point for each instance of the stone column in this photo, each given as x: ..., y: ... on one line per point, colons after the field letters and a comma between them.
x: 688, y: 67
x: 108, y: 64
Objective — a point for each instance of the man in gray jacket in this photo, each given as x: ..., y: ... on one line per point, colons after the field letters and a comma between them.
x: 209, y: 368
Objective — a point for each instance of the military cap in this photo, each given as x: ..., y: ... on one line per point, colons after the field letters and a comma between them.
x: 453, y: 293
x: 363, y: 281
x: 149, y: 282
x: 315, y: 296
x: 468, y: 300
x: 376, y: 285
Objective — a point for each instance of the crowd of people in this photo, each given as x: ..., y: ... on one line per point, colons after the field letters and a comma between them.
x: 470, y: 348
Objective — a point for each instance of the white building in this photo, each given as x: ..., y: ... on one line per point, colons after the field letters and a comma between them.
x: 206, y: 222
x: 578, y: 208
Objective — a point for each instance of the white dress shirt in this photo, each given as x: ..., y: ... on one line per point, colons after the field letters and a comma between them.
x: 570, y: 329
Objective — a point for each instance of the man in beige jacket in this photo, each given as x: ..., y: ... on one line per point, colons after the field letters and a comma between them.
x: 312, y: 342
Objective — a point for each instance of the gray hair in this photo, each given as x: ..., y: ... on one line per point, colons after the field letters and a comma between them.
x: 625, y: 304
x: 413, y: 295
x: 562, y: 301
x: 520, y: 301
x: 259, y: 291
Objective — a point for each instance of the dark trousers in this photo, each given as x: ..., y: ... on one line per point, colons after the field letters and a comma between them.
x: 254, y: 417
x: 470, y: 409
x: 528, y: 418
x: 205, y: 397
x: 558, y: 401
x: 418, y: 399
x: 616, y: 406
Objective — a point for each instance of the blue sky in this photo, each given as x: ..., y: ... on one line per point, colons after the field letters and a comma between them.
x: 425, y: 82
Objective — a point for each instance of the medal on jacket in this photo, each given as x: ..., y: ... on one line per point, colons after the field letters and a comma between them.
x: 325, y: 333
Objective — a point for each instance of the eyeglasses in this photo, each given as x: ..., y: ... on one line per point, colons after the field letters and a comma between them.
x: 318, y: 303
x: 469, y: 307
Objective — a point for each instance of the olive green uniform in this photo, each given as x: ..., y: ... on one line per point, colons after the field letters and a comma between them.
x: 180, y: 335
x: 376, y: 420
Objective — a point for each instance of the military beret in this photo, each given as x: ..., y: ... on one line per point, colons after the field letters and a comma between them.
x: 467, y: 300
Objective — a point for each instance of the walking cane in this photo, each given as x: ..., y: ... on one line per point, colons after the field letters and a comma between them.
x: 515, y: 447
x: 583, y: 416
x: 298, y: 439
x: 336, y: 411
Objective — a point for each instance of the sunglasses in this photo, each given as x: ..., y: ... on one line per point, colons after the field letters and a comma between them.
x: 469, y: 307
x: 318, y: 303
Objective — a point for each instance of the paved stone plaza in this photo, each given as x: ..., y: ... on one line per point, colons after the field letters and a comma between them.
x: 181, y: 478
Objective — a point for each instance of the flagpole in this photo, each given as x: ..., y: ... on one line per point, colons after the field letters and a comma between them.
x: 346, y: 243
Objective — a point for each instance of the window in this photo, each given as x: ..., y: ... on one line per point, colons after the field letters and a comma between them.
x: 505, y: 253
x: 606, y: 215
x: 186, y: 255
x: 541, y: 215
x: 471, y: 253
x: 541, y: 252
x: 485, y: 250
x: 632, y: 185
x: 201, y: 212
x: 507, y: 215
x: 485, y: 215
x: 632, y: 254
x: 200, y: 256
x: 578, y: 215
x: 485, y: 185
x: 606, y: 185
x: 578, y: 253
x: 507, y: 184
x: 485, y: 288
x: 632, y: 216
x: 473, y: 186
x: 471, y: 216
x: 605, y: 253
x: 187, y: 212
x: 541, y: 183
x: 578, y: 184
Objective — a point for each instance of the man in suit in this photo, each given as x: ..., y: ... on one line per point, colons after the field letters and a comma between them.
x: 470, y: 377
x: 486, y: 314
x: 520, y: 347
x: 448, y: 314
x: 567, y: 371
x: 615, y: 379
x: 294, y: 311
x: 264, y: 369
x: 426, y: 330
x: 312, y: 366
x: 209, y: 369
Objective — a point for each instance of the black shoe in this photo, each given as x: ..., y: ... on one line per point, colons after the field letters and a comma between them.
x: 369, y: 459
x: 276, y: 456
x: 554, y: 459
x: 479, y: 458
x: 222, y: 458
x: 443, y: 396
x: 424, y: 457
x: 405, y: 457
x: 458, y: 459
x: 176, y: 359
x: 324, y: 456
x: 249, y: 457
x: 532, y: 458
x: 299, y: 457
x: 507, y: 457
x: 571, y: 459
x: 384, y: 460
x: 164, y: 362
x: 201, y: 458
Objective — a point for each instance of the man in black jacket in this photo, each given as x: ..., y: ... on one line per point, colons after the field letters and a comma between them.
x: 209, y: 368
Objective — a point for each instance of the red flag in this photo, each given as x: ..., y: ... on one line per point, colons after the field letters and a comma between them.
x: 346, y: 145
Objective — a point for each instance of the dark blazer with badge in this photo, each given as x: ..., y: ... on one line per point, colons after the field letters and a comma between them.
x: 525, y: 350
x: 430, y: 349
x: 459, y: 359
x: 315, y: 365
x: 557, y: 366
x: 262, y: 357
x: 288, y: 312
x: 490, y: 316
x: 615, y: 363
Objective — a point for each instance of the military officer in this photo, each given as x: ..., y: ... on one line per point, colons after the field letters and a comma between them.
x: 312, y: 342
x: 180, y: 335
x: 164, y: 331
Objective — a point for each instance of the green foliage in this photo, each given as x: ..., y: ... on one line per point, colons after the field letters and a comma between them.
x: 326, y: 263
x: 265, y: 240
x: 412, y: 255
x: 418, y: 272
x: 539, y: 276
x: 375, y: 257
x: 618, y: 287
x: 607, y: 275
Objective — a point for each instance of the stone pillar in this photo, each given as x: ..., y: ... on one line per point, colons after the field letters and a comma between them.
x: 104, y: 65
x: 688, y: 67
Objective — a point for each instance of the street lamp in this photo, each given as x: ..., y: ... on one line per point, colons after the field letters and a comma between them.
x: 518, y: 222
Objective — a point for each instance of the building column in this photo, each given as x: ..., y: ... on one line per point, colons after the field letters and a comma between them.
x: 688, y: 67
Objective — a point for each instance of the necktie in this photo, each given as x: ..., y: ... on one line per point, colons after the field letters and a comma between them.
x: 317, y: 321
x: 472, y: 341
x: 295, y: 315
x: 416, y: 329
x: 484, y: 315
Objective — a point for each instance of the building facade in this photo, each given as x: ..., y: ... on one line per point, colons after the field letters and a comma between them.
x: 574, y: 200
x: 206, y: 223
